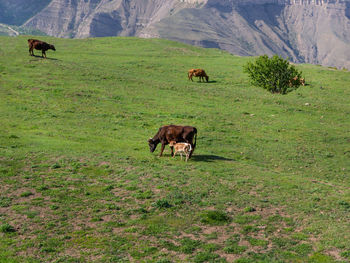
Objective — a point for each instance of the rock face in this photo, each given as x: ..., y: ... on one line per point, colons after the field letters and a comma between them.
x: 311, y: 31
x: 16, y: 12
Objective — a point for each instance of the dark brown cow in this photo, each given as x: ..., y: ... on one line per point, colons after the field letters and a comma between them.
x: 175, y: 133
x: 198, y: 73
x: 39, y: 45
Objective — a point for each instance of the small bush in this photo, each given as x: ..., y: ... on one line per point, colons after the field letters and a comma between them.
x: 205, y: 257
x: 258, y: 242
x: 108, y: 188
x: 214, y: 217
x: 274, y: 74
x: 163, y: 260
x: 232, y: 247
x: 6, y: 228
x: 162, y: 203
x: 189, y: 245
x: 345, y: 254
x: 56, y: 166
x: 5, y: 202
x: 249, y: 209
x: 26, y: 194
x: 344, y: 204
x: 303, y: 249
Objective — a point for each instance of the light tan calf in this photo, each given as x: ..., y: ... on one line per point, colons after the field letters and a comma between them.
x: 181, y: 147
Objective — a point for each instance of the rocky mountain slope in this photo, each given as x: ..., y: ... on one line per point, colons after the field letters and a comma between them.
x: 312, y: 31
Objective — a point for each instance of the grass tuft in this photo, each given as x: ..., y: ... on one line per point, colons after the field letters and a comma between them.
x: 6, y: 228
x: 214, y: 217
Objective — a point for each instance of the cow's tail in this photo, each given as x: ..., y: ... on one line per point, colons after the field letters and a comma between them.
x: 195, y: 142
x: 195, y: 139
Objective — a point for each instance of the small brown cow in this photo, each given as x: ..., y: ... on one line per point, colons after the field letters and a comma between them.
x: 296, y: 79
x: 198, y: 73
x: 39, y: 45
x: 181, y: 147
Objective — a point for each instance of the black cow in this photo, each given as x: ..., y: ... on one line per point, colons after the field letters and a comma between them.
x: 39, y: 45
x: 176, y: 133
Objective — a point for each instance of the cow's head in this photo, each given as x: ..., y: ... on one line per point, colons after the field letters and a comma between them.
x: 152, y: 145
x: 52, y: 47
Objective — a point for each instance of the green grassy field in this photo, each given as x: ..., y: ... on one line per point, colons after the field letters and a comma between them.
x: 268, y: 182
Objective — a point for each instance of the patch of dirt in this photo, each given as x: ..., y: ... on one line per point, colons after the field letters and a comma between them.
x: 331, y: 185
x: 72, y: 252
x: 334, y: 253
x: 229, y: 257
x: 104, y: 164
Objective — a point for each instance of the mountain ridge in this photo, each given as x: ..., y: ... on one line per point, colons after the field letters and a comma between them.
x: 311, y: 31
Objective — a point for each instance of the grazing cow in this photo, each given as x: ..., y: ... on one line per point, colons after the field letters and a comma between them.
x: 181, y: 147
x: 198, y: 73
x: 190, y: 74
x: 39, y: 45
x: 176, y: 133
x: 296, y: 80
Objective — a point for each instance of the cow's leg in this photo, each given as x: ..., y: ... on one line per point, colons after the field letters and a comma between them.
x: 181, y: 155
x: 174, y: 154
x: 161, y: 150
x: 172, y: 151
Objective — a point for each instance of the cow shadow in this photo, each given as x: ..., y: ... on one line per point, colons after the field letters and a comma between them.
x: 36, y: 56
x: 210, y: 158
x: 210, y: 81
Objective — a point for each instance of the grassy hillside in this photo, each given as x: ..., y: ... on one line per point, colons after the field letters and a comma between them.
x: 268, y: 182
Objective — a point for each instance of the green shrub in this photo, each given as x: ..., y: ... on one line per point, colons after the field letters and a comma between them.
x: 345, y: 254
x: 162, y: 203
x: 206, y: 257
x: 5, y: 202
x: 56, y: 166
x: 6, y: 228
x: 189, y: 245
x: 274, y: 74
x: 249, y: 209
x: 214, y: 217
x: 26, y: 194
x: 257, y: 242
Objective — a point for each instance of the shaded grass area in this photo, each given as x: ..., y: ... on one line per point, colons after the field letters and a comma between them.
x: 268, y: 182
